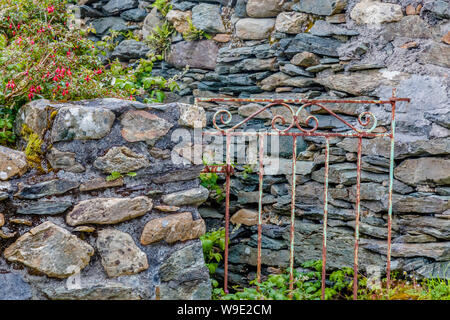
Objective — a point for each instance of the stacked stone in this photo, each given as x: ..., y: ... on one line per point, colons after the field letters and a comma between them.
x: 335, y: 49
x: 121, y: 239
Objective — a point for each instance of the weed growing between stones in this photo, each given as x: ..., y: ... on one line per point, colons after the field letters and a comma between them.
x: 307, y: 286
x: 44, y: 56
x: 193, y: 33
x: 213, y: 244
x: 160, y: 39
x: 117, y: 175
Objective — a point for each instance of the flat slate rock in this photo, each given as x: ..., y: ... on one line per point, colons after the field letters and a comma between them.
x: 13, y: 287
x: 44, y: 207
x: 44, y: 189
x: 108, y: 210
x: 52, y: 250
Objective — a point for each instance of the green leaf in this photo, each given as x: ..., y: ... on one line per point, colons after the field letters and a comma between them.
x: 114, y: 176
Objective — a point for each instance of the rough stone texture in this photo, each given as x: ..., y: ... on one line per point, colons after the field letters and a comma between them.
x: 254, y: 29
x: 76, y: 194
x: 291, y: 22
x: 114, y: 6
x: 305, y: 59
x: 435, y: 171
x: 120, y: 255
x: 376, y: 12
x: 192, y: 116
x: 44, y: 189
x: 12, y: 163
x: 93, y: 291
x: 45, y: 208
x: 143, y: 126
x: 13, y: 287
x: 193, y: 197
x: 64, y: 161
x: 183, y: 274
x: 81, y: 123
x: 245, y: 217
x: 197, y: 54
x: 173, y: 228
x: 179, y: 19
x: 108, y: 210
x: 207, y: 17
x: 122, y: 160
x: 130, y: 49
x: 52, y: 250
x: 321, y: 7
x: 263, y: 8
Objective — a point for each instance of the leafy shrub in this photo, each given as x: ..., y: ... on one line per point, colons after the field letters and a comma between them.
x: 307, y: 286
x: 213, y: 243
x: 193, y: 33
x: 160, y: 38
x: 43, y: 56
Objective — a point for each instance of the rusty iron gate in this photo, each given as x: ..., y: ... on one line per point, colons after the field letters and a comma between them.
x: 366, y: 120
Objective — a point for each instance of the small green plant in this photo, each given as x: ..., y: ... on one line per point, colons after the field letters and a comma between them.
x: 140, y: 81
x: 193, y: 33
x: 160, y: 39
x: 163, y: 6
x: 247, y: 171
x: 213, y: 243
x: 117, y: 175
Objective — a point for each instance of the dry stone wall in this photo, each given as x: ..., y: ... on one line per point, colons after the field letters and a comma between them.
x: 69, y: 233
x: 317, y: 49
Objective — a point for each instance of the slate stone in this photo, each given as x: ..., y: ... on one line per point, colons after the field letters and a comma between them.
x: 50, y: 249
x: 292, y: 70
x: 320, y: 7
x: 324, y: 29
x: 314, y: 44
x: 183, y: 5
x: 108, y: 210
x: 183, y: 275
x: 207, y: 17
x: 44, y: 208
x: 44, y: 189
x: 103, y: 26
x: 440, y: 8
x: 130, y: 49
x: 114, y: 6
x: 13, y: 287
x: 136, y: 15
x: 88, y: 12
x: 197, y: 54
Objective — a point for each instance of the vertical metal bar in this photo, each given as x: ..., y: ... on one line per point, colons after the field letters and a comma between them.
x: 227, y: 209
x: 391, y: 186
x: 358, y: 198
x: 294, y: 179
x: 325, y: 216
x: 261, y: 173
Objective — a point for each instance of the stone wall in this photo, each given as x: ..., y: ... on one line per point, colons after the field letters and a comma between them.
x: 319, y: 49
x: 69, y: 233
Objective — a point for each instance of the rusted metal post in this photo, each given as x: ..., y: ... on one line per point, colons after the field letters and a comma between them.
x: 292, y: 234
x: 358, y: 208
x: 261, y: 173
x: 391, y: 186
x: 325, y: 216
x: 227, y: 210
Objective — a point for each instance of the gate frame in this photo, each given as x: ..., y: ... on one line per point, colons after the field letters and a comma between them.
x: 364, y: 119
